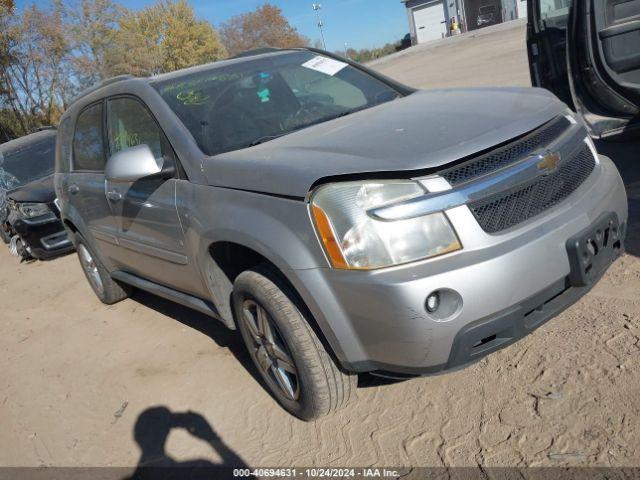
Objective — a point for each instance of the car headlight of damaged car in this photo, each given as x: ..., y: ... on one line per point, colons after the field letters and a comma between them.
x: 32, y: 210
x: 354, y: 240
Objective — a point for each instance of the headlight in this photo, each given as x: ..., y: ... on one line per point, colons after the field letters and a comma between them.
x: 32, y: 210
x: 354, y: 240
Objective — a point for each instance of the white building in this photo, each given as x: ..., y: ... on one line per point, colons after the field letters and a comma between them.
x: 430, y: 19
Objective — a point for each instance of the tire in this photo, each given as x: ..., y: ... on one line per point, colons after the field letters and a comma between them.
x: 316, y: 387
x: 4, y: 236
x: 106, y: 288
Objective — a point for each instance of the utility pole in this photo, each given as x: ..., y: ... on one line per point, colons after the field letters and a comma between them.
x: 317, y: 7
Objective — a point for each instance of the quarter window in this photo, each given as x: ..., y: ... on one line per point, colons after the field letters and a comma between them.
x: 130, y: 124
x: 88, y: 149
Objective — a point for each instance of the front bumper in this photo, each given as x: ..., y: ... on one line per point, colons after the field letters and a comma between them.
x: 44, y: 236
x: 509, y: 283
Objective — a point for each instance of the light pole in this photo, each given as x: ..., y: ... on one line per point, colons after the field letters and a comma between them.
x: 317, y: 7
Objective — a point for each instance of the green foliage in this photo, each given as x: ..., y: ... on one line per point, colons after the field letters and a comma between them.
x: 165, y: 37
x: 366, y: 55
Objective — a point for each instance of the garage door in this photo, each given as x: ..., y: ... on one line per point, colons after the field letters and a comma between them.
x: 430, y: 22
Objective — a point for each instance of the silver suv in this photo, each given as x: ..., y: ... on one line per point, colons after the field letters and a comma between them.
x: 343, y: 222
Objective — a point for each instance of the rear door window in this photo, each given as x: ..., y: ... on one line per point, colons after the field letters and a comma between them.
x: 88, y: 147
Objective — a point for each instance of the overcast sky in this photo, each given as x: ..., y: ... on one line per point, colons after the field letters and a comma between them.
x: 359, y: 23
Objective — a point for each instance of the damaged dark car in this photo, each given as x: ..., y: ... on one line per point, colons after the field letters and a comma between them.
x: 30, y: 219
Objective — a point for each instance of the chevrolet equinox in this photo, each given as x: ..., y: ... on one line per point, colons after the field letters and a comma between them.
x: 343, y: 222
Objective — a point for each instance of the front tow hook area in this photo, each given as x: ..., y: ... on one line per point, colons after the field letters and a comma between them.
x: 592, y: 250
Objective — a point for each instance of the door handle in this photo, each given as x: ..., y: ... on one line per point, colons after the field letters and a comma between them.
x: 73, y: 189
x: 114, y: 196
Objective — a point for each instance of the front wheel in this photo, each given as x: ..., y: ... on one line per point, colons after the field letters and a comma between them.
x: 298, y: 371
x: 4, y: 236
x: 106, y: 288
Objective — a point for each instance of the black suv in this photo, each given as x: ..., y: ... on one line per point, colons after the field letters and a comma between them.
x: 29, y: 218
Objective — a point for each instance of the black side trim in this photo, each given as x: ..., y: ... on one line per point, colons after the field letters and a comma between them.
x: 203, y: 306
x: 268, y: 194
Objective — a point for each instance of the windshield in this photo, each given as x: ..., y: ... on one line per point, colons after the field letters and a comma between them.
x: 236, y: 106
x: 28, y: 163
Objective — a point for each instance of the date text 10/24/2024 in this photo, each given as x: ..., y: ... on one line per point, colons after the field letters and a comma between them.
x: 316, y: 472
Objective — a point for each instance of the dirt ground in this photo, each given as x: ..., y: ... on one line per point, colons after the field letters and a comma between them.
x: 78, y: 379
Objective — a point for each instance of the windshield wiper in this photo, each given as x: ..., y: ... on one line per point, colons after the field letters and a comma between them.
x: 266, y: 138
x: 345, y: 113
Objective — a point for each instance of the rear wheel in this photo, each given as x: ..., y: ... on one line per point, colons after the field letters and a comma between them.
x: 298, y: 371
x: 106, y: 288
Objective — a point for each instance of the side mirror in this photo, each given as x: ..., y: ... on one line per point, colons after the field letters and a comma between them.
x: 135, y: 163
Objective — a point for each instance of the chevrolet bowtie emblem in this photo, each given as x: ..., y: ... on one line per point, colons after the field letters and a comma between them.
x: 549, y: 162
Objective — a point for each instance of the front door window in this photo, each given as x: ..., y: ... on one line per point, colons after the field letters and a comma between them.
x: 130, y: 124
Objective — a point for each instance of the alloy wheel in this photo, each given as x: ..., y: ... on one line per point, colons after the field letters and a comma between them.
x: 270, y: 351
x: 90, y: 267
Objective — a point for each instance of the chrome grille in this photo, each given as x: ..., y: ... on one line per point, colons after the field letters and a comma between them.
x: 506, y: 155
x: 516, y: 205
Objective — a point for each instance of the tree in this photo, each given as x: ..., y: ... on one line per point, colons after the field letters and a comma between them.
x: 265, y: 27
x: 165, y: 37
x: 92, y: 27
x: 47, y: 55
x: 33, y: 77
x: 365, y: 55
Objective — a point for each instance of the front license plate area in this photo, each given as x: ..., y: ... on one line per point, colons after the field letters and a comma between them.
x: 593, y: 249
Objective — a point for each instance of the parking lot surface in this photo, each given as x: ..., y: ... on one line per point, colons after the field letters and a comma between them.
x: 83, y: 384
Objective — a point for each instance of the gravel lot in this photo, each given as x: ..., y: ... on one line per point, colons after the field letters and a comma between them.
x: 76, y: 375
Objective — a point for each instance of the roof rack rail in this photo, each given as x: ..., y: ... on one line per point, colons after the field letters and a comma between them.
x: 257, y: 51
x: 104, y: 83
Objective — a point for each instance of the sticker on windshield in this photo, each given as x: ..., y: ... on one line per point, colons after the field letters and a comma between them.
x: 325, y: 65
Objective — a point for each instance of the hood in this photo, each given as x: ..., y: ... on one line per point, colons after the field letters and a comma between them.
x: 38, y: 191
x: 422, y: 131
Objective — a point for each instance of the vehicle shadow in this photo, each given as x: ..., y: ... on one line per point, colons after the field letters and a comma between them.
x: 151, y: 431
x: 218, y: 332
x: 626, y: 156
x: 367, y: 380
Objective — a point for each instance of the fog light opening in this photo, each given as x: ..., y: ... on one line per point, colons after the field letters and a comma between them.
x: 443, y: 305
x: 433, y: 302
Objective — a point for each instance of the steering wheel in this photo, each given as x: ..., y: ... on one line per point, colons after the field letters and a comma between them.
x: 308, y: 109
